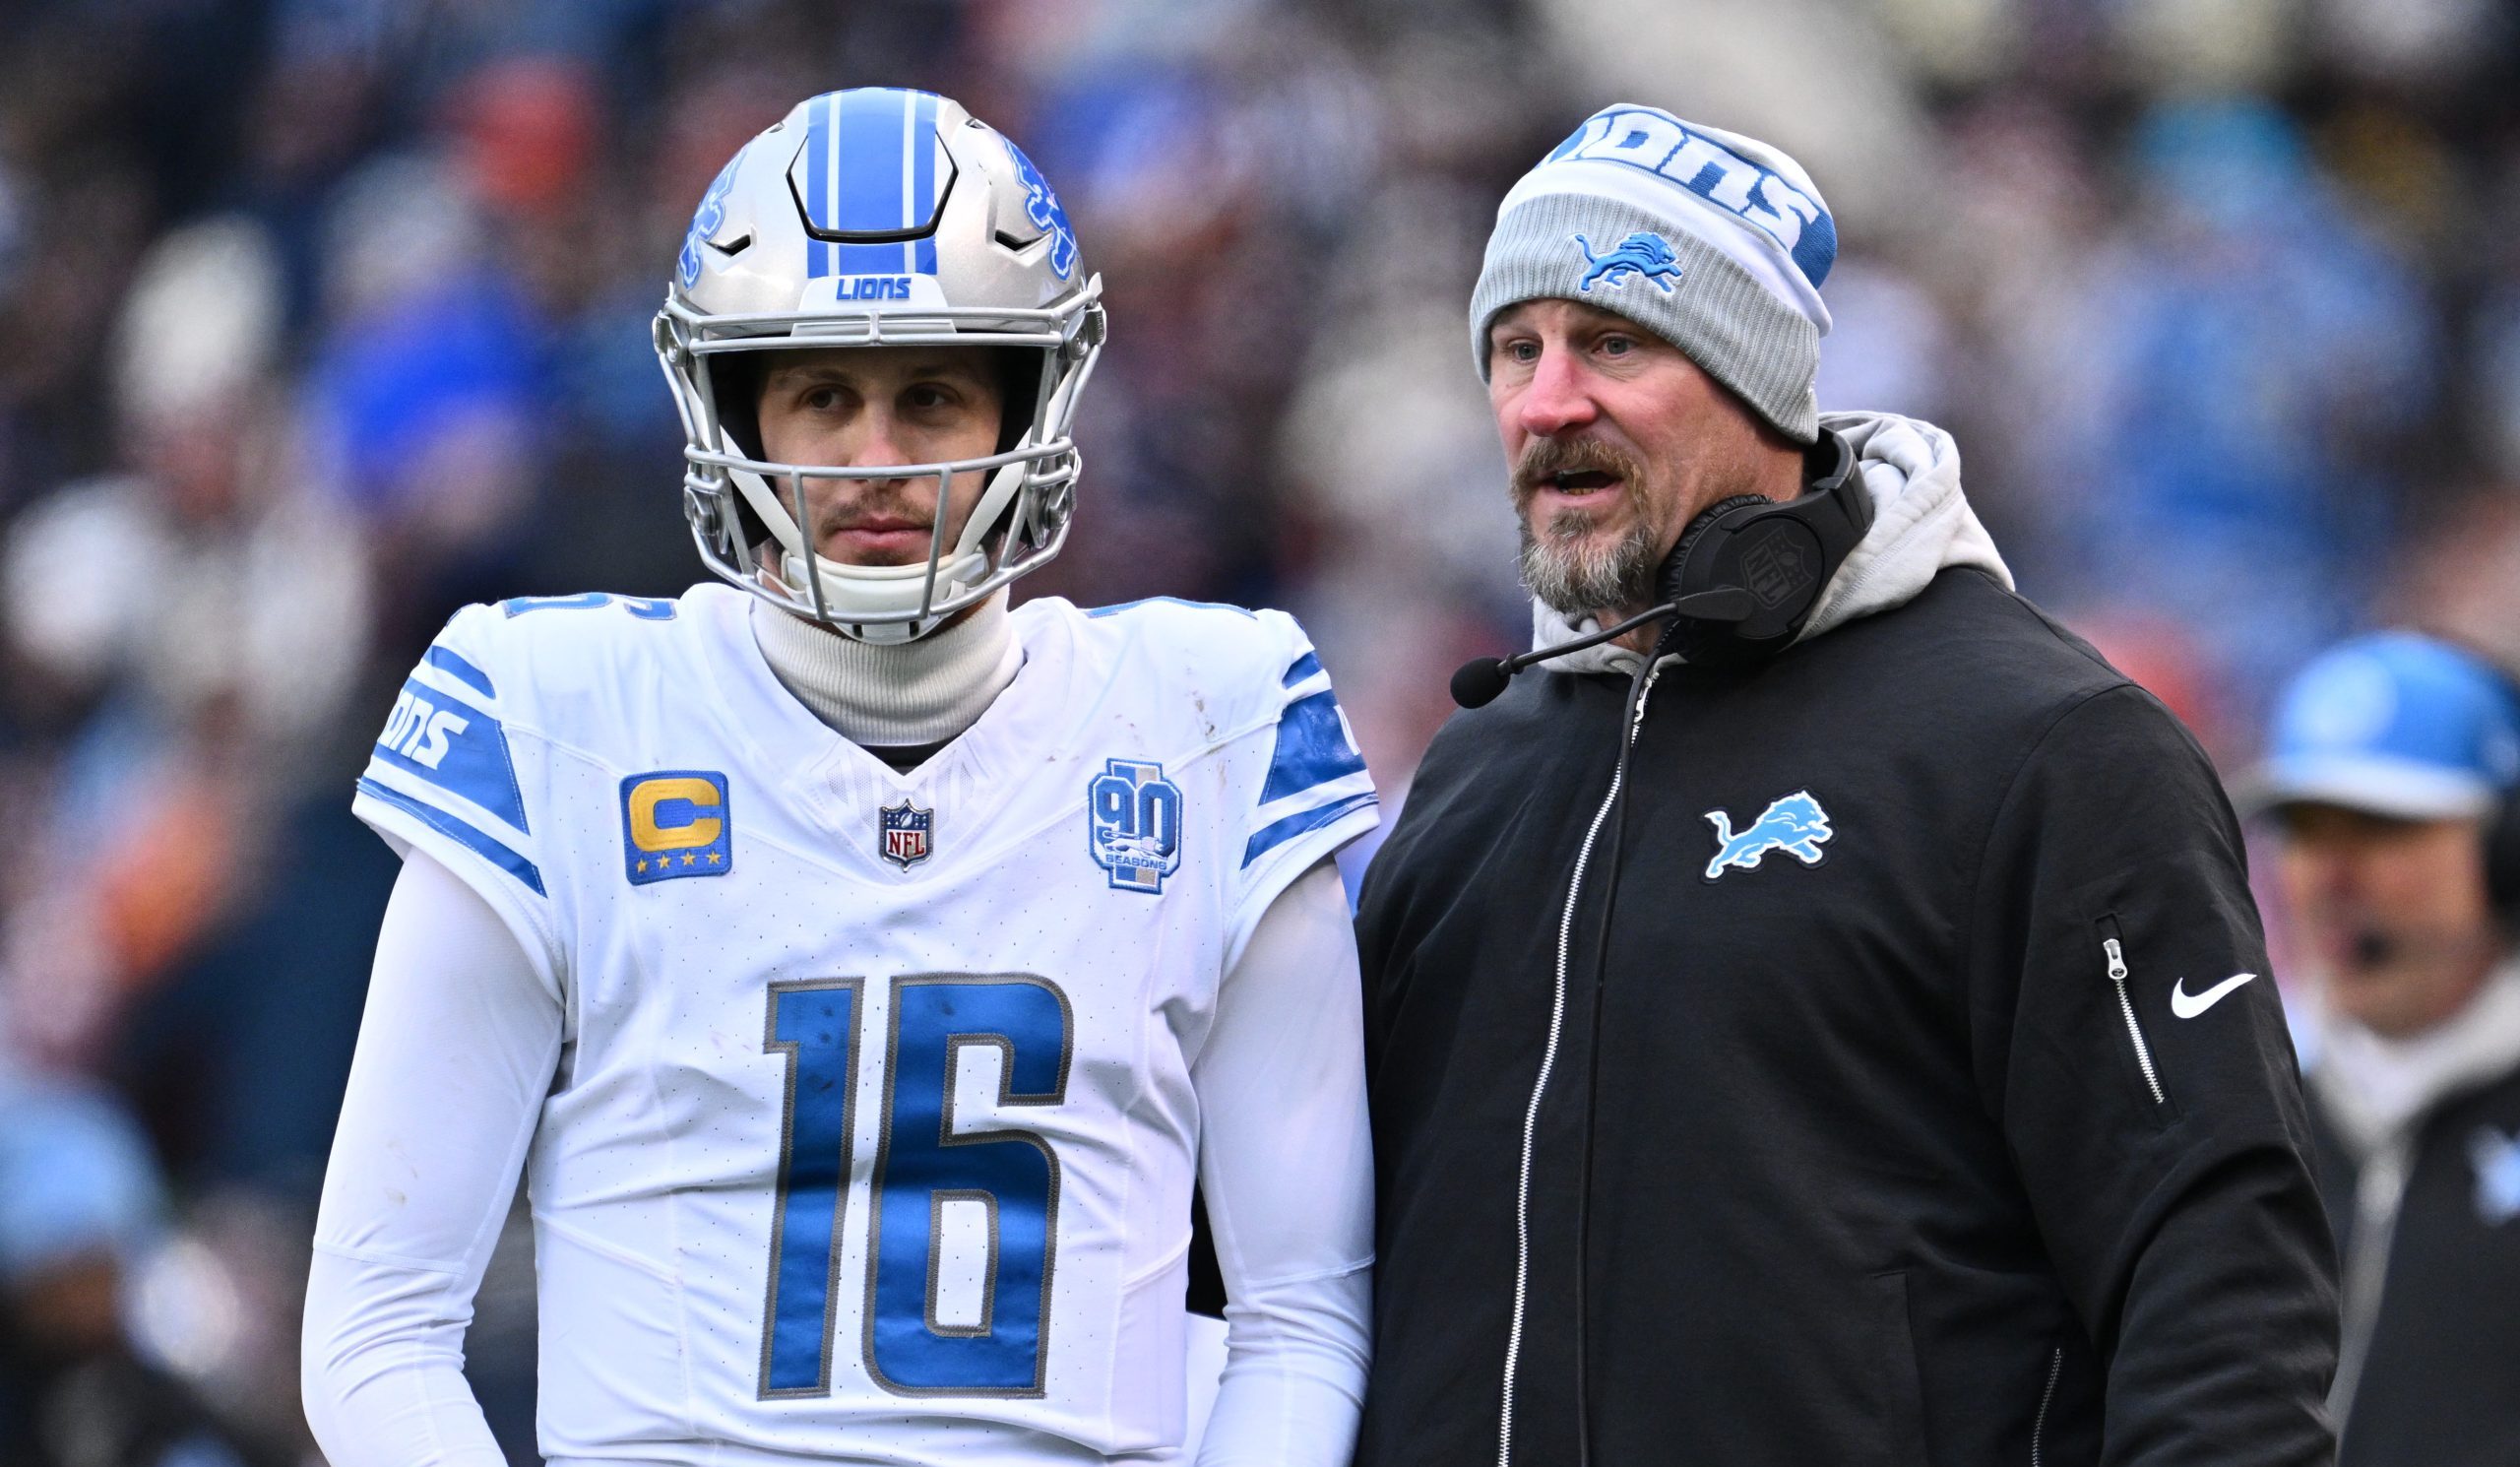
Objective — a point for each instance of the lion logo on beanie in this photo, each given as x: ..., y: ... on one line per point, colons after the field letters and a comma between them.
x: 1643, y: 255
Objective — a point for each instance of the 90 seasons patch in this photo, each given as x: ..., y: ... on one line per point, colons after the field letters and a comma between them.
x: 1133, y: 824
x: 675, y: 822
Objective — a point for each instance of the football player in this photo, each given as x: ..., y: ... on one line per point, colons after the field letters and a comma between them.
x: 862, y: 972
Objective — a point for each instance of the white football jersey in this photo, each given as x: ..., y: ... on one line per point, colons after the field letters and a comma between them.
x: 873, y: 1135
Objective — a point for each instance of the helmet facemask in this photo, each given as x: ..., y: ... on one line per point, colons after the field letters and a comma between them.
x: 752, y: 519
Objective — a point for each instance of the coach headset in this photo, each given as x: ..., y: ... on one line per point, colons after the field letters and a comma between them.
x: 1739, y: 586
x: 2502, y: 841
x: 1740, y: 583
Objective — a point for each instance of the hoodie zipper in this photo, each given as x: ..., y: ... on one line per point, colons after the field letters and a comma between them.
x: 1539, y: 1088
x: 2047, y: 1398
x: 2116, y: 955
x: 2378, y: 1195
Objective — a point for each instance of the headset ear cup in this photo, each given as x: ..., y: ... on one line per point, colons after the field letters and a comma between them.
x: 1685, y: 572
x: 2502, y: 836
x: 2502, y: 863
x: 1673, y: 580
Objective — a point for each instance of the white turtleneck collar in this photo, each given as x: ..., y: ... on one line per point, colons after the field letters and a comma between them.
x: 897, y: 695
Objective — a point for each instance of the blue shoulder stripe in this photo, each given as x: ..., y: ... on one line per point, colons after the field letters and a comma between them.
x: 456, y: 830
x: 454, y: 745
x: 462, y: 672
x: 1270, y: 837
x: 1312, y: 747
x: 1306, y: 666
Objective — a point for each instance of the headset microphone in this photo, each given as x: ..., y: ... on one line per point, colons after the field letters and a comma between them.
x: 1479, y: 681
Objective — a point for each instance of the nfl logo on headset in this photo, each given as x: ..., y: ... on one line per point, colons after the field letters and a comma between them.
x: 1776, y: 567
x: 904, y: 828
x: 1133, y: 824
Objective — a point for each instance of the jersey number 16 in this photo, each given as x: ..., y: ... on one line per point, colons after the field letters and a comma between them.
x: 923, y: 1168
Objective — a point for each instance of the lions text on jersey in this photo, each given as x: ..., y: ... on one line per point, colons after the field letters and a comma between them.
x: 875, y: 1107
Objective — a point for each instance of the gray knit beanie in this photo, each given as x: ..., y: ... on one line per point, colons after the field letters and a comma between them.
x: 1716, y: 242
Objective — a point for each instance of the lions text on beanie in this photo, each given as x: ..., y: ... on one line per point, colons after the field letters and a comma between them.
x: 1716, y: 242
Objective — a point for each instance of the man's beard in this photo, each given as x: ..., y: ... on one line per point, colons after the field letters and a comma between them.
x: 1563, y: 564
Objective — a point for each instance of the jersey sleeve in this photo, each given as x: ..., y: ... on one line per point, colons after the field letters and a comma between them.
x: 456, y: 1052
x: 1286, y: 1163
x: 451, y: 776
x: 1315, y: 794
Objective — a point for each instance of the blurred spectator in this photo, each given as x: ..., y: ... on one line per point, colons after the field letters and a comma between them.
x: 2391, y: 758
x: 2231, y: 400
x: 79, y: 1205
x: 198, y: 621
x: 424, y: 387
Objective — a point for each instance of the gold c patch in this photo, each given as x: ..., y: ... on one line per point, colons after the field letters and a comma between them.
x: 675, y: 822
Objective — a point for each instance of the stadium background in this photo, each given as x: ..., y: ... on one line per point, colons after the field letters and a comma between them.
x: 324, y: 317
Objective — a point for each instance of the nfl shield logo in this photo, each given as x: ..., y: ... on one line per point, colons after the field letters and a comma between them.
x: 1776, y: 567
x: 904, y: 828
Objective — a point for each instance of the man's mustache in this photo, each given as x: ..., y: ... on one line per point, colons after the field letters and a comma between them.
x: 885, y: 500
x: 1548, y: 458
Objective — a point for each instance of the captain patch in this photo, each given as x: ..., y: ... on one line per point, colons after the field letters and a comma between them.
x: 675, y: 822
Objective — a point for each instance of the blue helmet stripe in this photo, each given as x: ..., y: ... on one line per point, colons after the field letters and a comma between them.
x: 818, y: 183
x: 909, y: 170
x: 867, y: 196
x: 869, y: 259
x: 923, y: 163
x: 870, y: 168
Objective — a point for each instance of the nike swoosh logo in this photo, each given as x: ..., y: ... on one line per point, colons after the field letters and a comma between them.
x: 2188, y: 1005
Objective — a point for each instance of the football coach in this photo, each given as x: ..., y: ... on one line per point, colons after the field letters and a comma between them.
x: 1826, y: 1023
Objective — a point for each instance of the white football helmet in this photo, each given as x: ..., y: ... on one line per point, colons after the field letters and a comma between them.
x: 878, y: 217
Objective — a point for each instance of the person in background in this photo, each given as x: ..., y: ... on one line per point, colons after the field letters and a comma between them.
x: 2390, y: 776
x: 80, y: 1201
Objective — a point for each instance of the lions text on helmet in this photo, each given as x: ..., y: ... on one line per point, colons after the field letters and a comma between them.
x: 876, y: 336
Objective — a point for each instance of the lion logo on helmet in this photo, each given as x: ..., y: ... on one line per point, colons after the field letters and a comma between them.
x: 1042, y: 207
x: 1643, y: 255
x: 705, y: 220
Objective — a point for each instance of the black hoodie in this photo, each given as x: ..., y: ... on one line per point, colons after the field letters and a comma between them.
x: 1903, y: 1152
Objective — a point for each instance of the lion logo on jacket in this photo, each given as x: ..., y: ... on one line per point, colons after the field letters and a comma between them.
x: 1794, y: 824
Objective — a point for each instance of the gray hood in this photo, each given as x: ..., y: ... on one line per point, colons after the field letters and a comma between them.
x: 1921, y: 524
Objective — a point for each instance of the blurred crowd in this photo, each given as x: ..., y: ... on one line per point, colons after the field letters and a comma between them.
x: 326, y: 317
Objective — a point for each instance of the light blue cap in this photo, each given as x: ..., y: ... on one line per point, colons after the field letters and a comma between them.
x: 2395, y: 724
x: 75, y: 1174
